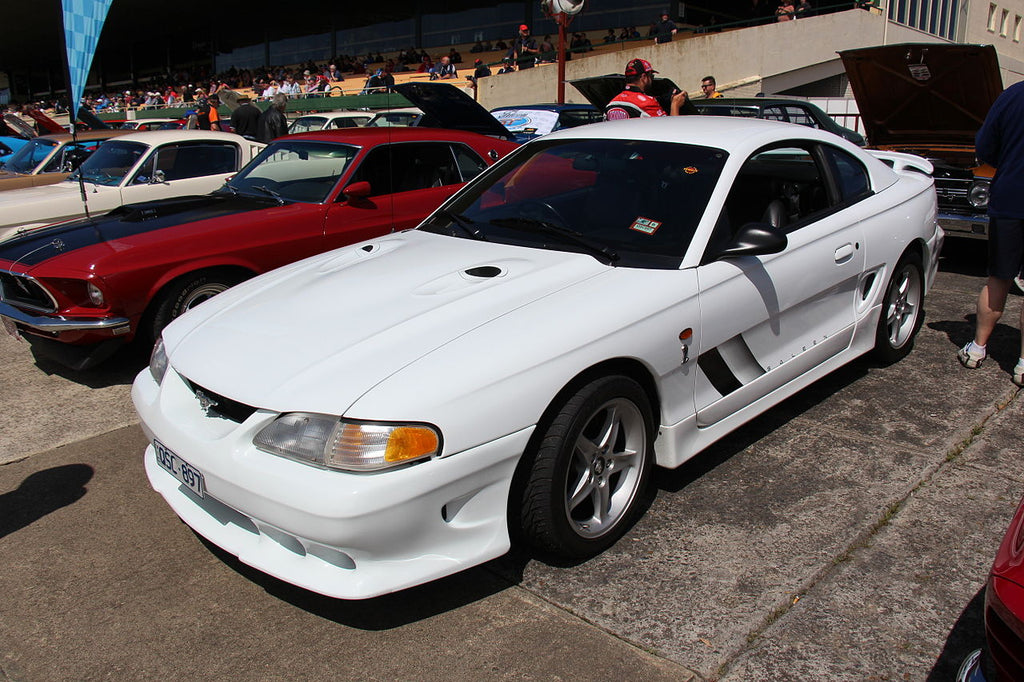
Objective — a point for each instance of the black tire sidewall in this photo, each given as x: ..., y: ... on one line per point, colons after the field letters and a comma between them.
x: 172, y: 302
x: 884, y: 351
x: 547, y: 526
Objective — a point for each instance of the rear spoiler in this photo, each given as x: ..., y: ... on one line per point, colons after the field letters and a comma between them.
x: 901, y: 162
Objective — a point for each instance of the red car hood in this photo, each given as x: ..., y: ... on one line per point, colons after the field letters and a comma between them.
x: 923, y: 93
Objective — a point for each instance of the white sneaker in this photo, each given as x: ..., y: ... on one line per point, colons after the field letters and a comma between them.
x: 970, y: 359
x: 1018, y: 374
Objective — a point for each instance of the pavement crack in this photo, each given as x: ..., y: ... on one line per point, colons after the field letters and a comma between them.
x: 864, y: 538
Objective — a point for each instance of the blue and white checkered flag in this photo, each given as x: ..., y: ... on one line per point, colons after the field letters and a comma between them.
x: 83, y: 22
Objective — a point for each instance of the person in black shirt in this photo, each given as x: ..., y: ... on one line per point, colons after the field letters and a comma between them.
x: 245, y: 119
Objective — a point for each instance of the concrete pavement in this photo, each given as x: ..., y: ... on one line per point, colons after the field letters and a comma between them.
x: 843, y: 535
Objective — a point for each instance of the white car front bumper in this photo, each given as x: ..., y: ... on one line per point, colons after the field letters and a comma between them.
x: 345, y: 535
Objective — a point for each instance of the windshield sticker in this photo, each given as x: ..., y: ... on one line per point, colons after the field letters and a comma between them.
x: 690, y: 170
x: 645, y: 225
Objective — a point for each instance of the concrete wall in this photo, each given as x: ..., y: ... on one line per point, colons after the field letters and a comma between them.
x: 769, y: 59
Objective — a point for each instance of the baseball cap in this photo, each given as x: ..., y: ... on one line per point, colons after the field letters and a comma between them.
x: 524, y: 27
x: 638, y: 67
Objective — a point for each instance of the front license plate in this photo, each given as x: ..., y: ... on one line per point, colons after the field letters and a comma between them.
x: 10, y: 327
x: 179, y: 468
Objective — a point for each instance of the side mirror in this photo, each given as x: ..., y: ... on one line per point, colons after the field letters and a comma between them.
x: 158, y: 178
x: 357, y: 190
x: 755, y: 239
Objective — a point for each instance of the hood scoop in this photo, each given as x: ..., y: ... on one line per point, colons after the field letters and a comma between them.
x: 462, y: 280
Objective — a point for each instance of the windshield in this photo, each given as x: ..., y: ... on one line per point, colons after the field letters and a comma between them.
x: 393, y: 118
x: 307, y: 124
x: 110, y: 163
x: 294, y: 170
x: 26, y: 159
x: 626, y: 202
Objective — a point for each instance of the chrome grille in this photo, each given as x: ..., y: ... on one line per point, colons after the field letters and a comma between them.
x: 24, y: 291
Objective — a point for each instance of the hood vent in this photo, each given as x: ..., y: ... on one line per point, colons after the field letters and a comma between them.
x: 484, y: 271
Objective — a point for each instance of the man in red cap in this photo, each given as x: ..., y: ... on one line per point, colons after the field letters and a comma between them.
x: 524, y: 49
x: 634, y: 102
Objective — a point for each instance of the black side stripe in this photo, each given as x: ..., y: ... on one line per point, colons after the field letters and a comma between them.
x: 717, y: 372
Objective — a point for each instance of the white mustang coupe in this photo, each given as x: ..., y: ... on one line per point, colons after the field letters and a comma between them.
x: 605, y: 299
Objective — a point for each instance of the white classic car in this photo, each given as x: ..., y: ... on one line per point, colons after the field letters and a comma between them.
x: 605, y: 299
x: 329, y: 120
x: 130, y: 169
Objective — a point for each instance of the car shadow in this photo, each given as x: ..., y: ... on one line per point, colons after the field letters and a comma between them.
x: 41, y: 493
x: 391, y: 610
x: 968, y: 634
x: 675, y: 480
x: 118, y: 370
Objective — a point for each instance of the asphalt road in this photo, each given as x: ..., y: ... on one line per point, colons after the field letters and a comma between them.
x: 844, y: 535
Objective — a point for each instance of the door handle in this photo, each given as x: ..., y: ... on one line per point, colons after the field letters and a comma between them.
x: 844, y: 253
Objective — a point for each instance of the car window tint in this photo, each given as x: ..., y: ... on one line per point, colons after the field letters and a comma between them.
x: 344, y: 123
x: 577, y: 117
x: 642, y: 199
x: 470, y: 165
x: 782, y: 186
x: 774, y: 113
x: 405, y: 167
x: 798, y: 114
x: 851, y: 176
x: 181, y: 161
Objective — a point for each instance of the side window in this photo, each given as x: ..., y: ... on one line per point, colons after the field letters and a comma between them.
x: 182, y: 161
x: 851, y: 176
x: 344, y: 123
x: 408, y: 167
x: 774, y: 113
x: 61, y: 160
x: 470, y: 165
x: 782, y: 186
x: 799, y: 115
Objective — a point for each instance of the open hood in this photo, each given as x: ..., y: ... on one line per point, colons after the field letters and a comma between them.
x: 923, y: 93
x: 17, y: 127
x: 599, y: 90
x: 452, y: 108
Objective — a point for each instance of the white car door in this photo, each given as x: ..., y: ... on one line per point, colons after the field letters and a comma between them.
x: 766, y: 320
x: 182, y: 169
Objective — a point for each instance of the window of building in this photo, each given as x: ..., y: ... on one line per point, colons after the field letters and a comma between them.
x: 1004, y: 23
x: 993, y: 14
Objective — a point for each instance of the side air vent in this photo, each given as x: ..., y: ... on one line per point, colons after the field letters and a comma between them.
x: 484, y: 271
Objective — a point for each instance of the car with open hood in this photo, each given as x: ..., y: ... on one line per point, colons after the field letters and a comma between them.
x: 79, y: 290
x: 130, y: 169
x: 599, y: 91
x: 604, y: 299
x: 931, y: 99
x: 529, y: 121
x: 48, y: 159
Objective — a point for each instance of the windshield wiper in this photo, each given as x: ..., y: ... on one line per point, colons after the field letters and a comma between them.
x: 572, y: 236
x: 267, y: 190
x: 468, y: 225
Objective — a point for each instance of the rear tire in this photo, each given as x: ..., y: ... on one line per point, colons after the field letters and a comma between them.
x: 902, y: 310
x: 592, y: 465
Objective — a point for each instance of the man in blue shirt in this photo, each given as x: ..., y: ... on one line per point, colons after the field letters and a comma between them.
x: 1000, y: 143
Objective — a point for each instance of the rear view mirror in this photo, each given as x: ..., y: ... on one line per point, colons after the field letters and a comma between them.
x: 755, y: 239
x: 357, y: 190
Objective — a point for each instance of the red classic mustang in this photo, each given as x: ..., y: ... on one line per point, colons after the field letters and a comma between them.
x: 77, y: 291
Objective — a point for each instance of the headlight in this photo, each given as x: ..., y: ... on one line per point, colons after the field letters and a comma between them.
x: 158, y: 361
x: 979, y: 194
x: 323, y: 440
x: 95, y: 295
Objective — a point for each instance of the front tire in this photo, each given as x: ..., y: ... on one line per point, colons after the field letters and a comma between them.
x: 593, y: 463
x: 186, y: 293
x: 902, y: 311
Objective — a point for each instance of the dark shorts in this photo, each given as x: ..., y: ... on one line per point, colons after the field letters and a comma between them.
x: 1005, y: 247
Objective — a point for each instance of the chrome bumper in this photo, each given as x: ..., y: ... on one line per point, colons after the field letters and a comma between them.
x: 46, y: 323
x: 971, y: 226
